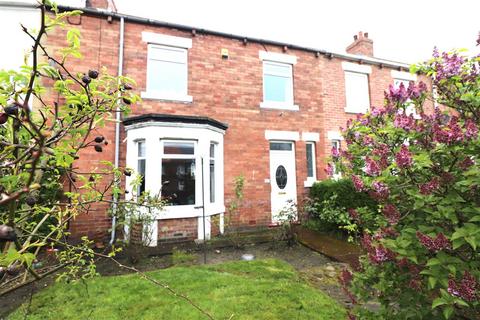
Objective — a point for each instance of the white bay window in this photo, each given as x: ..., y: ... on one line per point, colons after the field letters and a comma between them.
x: 174, y: 149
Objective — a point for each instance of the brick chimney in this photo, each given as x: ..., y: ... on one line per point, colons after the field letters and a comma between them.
x: 361, y: 45
x: 102, y: 4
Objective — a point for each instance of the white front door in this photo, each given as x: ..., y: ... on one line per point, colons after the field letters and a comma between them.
x: 282, y: 177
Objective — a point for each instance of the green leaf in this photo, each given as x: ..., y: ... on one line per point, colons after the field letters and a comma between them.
x: 447, y: 312
x: 438, y: 302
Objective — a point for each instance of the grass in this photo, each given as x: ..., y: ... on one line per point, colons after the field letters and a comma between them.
x: 261, y: 289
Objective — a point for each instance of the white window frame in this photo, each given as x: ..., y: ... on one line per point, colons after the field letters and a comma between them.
x: 139, y: 157
x: 349, y: 108
x: 311, y: 180
x: 160, y: 41
x: 215, y: 167
x: 278, y: 59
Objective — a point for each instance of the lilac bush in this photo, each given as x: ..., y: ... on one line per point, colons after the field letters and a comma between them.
x: 422, y: 257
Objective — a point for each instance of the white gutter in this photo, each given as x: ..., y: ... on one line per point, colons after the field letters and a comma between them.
x: 117, y: 130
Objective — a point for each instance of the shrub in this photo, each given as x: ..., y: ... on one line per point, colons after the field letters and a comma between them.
x: 329, y: 204
x: 423, y: 260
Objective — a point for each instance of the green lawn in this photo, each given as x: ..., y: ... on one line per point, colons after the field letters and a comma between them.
x: 262, y: 289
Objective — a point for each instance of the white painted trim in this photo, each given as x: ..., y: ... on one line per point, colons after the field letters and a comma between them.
x: 309, y: 182
x: 165, y: 96
x: 334, y: 135
x: 354, y: 67
x: 279, y: 105
x: 277, y: 57
x: 402, y: 75
x: 282, y: 135
x: 164, y: 39
x: 311, y: 136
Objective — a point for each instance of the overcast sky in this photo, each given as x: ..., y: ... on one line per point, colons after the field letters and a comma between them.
x: 405, y: 30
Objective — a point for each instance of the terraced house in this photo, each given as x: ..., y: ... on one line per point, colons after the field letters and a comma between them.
x: 216, y: 106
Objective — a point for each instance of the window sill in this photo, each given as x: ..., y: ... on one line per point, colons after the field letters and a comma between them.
x: 309, y: 182
x: 280, y: 106
x: 162, y: 96
x: 350, y: 110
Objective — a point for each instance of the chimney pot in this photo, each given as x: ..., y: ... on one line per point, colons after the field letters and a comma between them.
x: 362, y: 45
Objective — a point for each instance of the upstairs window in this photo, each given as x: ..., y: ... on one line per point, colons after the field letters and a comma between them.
x: 167, y: 72
x: 357, y: 93
x: 167, y: 67
x: 278, y: 81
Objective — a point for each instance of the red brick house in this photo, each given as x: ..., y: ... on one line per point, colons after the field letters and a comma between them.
x: 266, y: 110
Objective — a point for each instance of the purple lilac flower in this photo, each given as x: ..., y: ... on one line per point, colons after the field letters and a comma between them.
x: 404, y: 157
x: 404, y: 122
x: 382, y: 151
x: 381, y: 254
x: 449, y: 66
x: 367, y: 140
x: 371, y: 167
x: 380, y: 190
x: 471, y: 129
x: 434, y: 245
x: 466, y: 289
x: 353, y: 214
x: 335, y: 152
x: 466, y: 163
x: 378, y: 111
x: 391, y: 213
x: 358, y: 183
x: 429, y: 187
x: 329, y: 169
x: 396, y: 95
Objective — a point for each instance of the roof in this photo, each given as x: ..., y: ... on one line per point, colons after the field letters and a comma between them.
x: 172, y: 118
x: 330, y: 54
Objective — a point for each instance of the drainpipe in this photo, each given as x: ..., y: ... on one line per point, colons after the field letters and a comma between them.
x: 117, y: 130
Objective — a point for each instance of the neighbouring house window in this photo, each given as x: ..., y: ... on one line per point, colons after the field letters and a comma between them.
x: 311, y: 171
x: 410, y: 109
x: 167, y: 71
x: 213, y: 152
x: 357, y: 92
x: 277, y: 83
x: 178, y: 172
x: 141, y: 162
x: 336, y: 144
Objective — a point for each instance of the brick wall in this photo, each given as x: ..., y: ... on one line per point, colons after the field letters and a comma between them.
x: 177, y: 229
x: 228, y: 90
